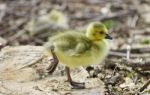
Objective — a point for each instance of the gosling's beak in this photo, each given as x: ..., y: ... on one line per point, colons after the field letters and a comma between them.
x: 108, y: 37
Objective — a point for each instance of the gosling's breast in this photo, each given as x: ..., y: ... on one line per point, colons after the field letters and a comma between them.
x: 94, y: 55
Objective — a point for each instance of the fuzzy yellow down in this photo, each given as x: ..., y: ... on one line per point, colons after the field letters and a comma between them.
x: 75, y: 49
x: 45, y: 22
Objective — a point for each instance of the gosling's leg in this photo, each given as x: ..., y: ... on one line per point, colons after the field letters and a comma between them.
x: 54, y: 62
x: 75, y: 85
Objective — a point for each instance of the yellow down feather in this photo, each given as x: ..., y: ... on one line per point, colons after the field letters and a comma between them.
x: 75, y: 49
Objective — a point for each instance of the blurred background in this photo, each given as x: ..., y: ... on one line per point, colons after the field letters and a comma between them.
x: 31, y: 22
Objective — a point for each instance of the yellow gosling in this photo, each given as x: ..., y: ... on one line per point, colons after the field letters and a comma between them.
x: 74, y: 49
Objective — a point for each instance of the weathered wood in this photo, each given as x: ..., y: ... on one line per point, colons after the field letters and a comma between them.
x: 20, y: 75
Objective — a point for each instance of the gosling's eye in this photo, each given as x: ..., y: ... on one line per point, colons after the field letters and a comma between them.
x: 101, y: 32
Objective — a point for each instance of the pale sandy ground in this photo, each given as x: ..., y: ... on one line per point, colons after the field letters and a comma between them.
x: 23, y: 72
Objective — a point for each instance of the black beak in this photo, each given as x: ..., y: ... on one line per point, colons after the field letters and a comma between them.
x: 108, y: 37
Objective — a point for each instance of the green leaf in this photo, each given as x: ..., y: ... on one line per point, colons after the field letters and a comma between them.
x: 110, y: 23
x: 146, y: 41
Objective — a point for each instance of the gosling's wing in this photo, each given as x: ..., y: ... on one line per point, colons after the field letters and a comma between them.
x: 79, y: 49
x: 72, y: 44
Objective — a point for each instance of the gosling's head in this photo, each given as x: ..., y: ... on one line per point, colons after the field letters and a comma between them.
x: 97, y: 31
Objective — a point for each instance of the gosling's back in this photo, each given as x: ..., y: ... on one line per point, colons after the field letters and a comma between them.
x: 74, y: 49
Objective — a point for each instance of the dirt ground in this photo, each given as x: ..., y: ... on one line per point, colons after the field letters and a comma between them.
x: 25, y: 27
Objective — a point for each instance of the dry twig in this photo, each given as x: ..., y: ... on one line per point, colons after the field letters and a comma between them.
x: 145, y: 86
x: 120, y: 54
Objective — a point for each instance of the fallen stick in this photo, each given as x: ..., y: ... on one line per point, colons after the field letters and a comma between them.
x: 141, y: 65
x: 144, y: 49
x: 145, y: 86
x: 120, y: 54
